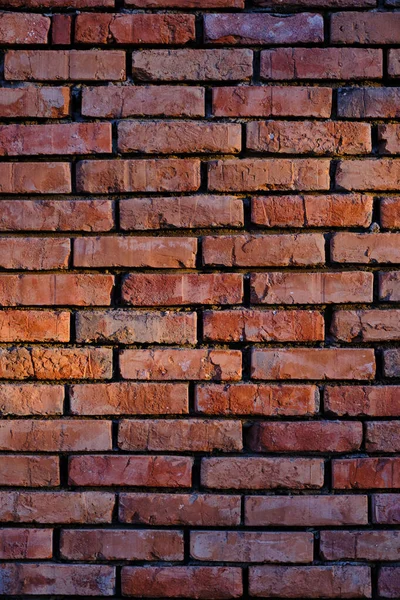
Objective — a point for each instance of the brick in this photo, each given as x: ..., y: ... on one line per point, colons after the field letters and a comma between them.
x: 97, y: 544
x: 389, y: 139
x: 143, y: 289
x: 335, y: 210
x: 59, y: 3
x: 272, y: 101
x: 335, y: 581
x: 129, y: 327
x: 263, y: 326
x: 56, y: 215
x: 366, y: 473
x: 178, y: 137
x: 35, y: 102
x: 49, y: 579
x: 389, y: 286
x: 61, y: 30
x: 308, y: 137
x: 64, y: 435
x: 264, y: 250
x: 56, y: 507
x: 391, y: 362
x: 141, y: 29
x: 263, y: 28
x: 181, y: 212
x: 213, y: 583
x: 34, y: 326
x: 141, y: 101
x: 369, y: 102
x: 35, y: 178
x: 364, y: 248
x: 252, y: 174
x: 177, y: 435
x: 20, y: 544
x: 55, y: 363
x: 382, y: 436
x: 65, y: 138
x: 253, y: 399
x: 34, y: 253
x: 153, y: 252
x: 366, y: 325
x: 29, y: 471
x: 318, y: 436
x: 192, y: 65
x: 385, y: 509
x: 143, y: 471
x: 55, y: 289
x: 31, y: 399
x: 320, y: 3
x: 365, y: 28
x: 126, y: 398
x: 251, y: 547
x: 394, y: 63
x: 170, y: 363
x: 354, y: 401
x: 390, y: 212
x: 311, y: 288
x: 379, y: 174
x: 23, y: 28
x: 389, y: 582
x: 306, y: 511
x: 180, y: 509
x: 262, y: 473
x: 321, y: 63
x: 156, y: 175
x: 64, y: 65
x: 185, y: 3
x: 313, y: 363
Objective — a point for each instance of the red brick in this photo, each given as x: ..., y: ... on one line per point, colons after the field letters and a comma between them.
x: 143, y: 289
x: 382, y: 436
x: 386, y: 509
x: 264, y: 250
x: 336, y: 210
x: 372, y: 174
x: 34, y: 326
x: 354, y: 401
x: 321, y: 63
x: 178, y: 137
x: 97, y: 544
x: 252, y: 174
x: 180, y: 509
x: 213, y: 583
x: 31, y: 399
x: 35, y: 178
x: 125, y: 398
x: 185, y: 3
x: 35, y: 102
x: 366, y: 325
x: 311, y: 288
x: 263, y: 28
x: 56, y: 507
x: 121, y: 251
x: 366, y: 473
x: 49, y: 579
x: 192, y: 65
x: 59, y: 3
x: 147, y: 471
x: 251, y: 547
x: 17, y: 543
x: 253, y: 399
x: 262, y: 473
x: 306, y: 511
x: 64, y: 65
x: 369, y: 102
x: 61, y: 30
x: 308, y: 137
x: 319, y: 3
x: 391, y: 362
x: 129, y: 327
x: 140, y: 101
x: 313, y: 363
x: 34, y: 253
x: 152, y: 175
x: 64, y: 435
x: 263, y: 326
x: 394, y: 63
x: 365, y: 28
x: 182, y: 212
x: 23, y: 28
x: 389, y: 582
x: 137, y: 28
x: 178, y: 435
x: 29, y: 471
x: 389, y: 286
x: 272, y: 101
x: 171, y: 363
x: 364, y: 248
x: 335, y: 581
x: 390, y: 212
x: 389, y: 138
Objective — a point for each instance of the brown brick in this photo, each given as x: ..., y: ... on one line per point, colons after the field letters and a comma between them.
x: 366, y: 325
x: 31, y: 399
x: 35, y: 102
x: 35, y: 178
x: 354, y: 401
x: 29, y: 471
x: 366, y: 473
x: 365, y: 28
x: 369, y: 102
x: 389, y: 582
x: 18, y: 543
x: 34, y: 326
x: 34, y: 253
x: 59, y: 3
x: 373, y: 174
x: 389, y: 286
x: 61, y: 30
x: 23, y: 28
x: 185, y: 3
x: 390, y: 212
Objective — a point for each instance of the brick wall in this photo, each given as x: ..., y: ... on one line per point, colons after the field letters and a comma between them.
x: 200, y: 299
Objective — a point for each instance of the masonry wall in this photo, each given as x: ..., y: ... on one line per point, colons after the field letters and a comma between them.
x: 200, y: 299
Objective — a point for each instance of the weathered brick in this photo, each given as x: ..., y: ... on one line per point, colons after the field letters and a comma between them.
x: 386, y: 509
x: 364, y: 248
x: 390, y: 212
x: 59, y: 3
x: 382, y: 436
x: 389, y: 582
x: 35, y: 178
x: 61, y: 30
x: 354, y: 401
x: 365, y: 28
x: 319, y: 3
x: 35, y: 102
x: 394, y: 63
x: 29, y: 471
x: 366, y: 325
x: 34, y: 326
x: 379, y: 174
x: 369, y: 102
x: 23, y: 28
x: 366, y: 473
x: 389, y: 286
x: 389, y: 138
x: 185, y: 3
x: 34, y: 253
x: 21, y: 544
x: 31, y: 399
x: 391, y: 362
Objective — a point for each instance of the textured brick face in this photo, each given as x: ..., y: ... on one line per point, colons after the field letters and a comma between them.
x: 200, y: 299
